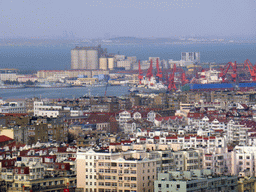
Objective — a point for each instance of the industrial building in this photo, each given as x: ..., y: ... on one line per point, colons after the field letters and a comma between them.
x: 86, y: 57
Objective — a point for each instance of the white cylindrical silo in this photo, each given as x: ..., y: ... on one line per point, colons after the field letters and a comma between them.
x: 92, y: 59
x: 103, y: 63
x: 111, y: 63
x: 82, y: 59
x: 74, y: 59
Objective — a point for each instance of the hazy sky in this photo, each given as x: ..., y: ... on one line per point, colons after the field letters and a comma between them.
x: 139, y: 18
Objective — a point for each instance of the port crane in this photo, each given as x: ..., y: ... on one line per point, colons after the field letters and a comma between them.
x: 159, y: 71
x: 140, y: 73
x: 225, y: 69
x: 184, y: 79
x: 172, y: 86
x: 252, y: 69
x: 234, y: 74
x: 150, y: 71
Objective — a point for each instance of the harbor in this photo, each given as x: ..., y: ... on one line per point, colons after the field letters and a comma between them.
x: 68, y: 92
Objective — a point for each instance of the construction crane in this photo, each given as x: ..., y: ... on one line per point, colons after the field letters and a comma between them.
x: 150, y: 71
x: 159, y: 71
x: 172, y: 86
x: 140, y: 73
x: 252, y: 69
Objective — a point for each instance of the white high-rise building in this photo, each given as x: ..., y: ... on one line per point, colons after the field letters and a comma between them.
x: 191, y: 56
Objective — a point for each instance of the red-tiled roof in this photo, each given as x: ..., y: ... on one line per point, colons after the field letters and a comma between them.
x: 218, y: 130
x: 4, y: 138
x: 171, y: 137
x: 195, y: 115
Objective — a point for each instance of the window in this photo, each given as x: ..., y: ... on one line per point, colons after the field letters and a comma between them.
x: 107, y: 157
x: 159, y: 185
x: 127, y: 178
x: 167, y: 185
x: 126, y: 185
x: 178, y: 186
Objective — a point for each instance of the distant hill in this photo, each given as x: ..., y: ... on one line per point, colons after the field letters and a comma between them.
x: 143, y: 40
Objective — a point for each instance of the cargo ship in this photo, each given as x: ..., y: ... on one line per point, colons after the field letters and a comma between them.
x: 219, y: 86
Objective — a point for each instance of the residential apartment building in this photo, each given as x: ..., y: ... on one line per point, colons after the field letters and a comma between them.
x: 103, y: 171
x: 196, y: 180
x: 13, y: 107
x: 243, y: 161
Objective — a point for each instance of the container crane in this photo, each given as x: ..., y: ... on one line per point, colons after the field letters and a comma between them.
x: 252, y: 69
x: 184, y: 80
x: 172, y: 85
x: 140, y: 73
x: 159, y: 71
x: 224, y: 72
x: 149, y: 72
x: 234, y: 74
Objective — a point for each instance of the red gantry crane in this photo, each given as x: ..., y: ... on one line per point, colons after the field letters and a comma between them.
x: 150, y: 71
x: 184, y: 80
x: 234, y: 74
x: 140, y: 73
x: 224, y: 72
x: 159, y: 71
x: 252, y: 69
x: 172, y: 86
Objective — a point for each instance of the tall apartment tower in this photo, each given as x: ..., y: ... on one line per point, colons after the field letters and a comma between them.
x: 85, y: 57
x: 191, y: 56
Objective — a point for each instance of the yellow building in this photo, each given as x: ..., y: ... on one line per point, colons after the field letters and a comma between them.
x: 127, y: 171
x: 7, y: 132
x: 87, y: 81
x: 247, y: 184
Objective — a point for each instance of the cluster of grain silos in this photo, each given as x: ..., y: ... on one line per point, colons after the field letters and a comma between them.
x: 107, y: 63
x: 85, y: 57
x: 92, y: 58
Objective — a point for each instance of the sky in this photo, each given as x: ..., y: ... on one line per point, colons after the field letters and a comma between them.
x: 137, y: 18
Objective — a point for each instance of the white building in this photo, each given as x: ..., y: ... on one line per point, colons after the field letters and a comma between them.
x: 43, y: 109
x: 191, y: 56
x: 243, y: 161
x: 13, y: 107
x: 124, y: 64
